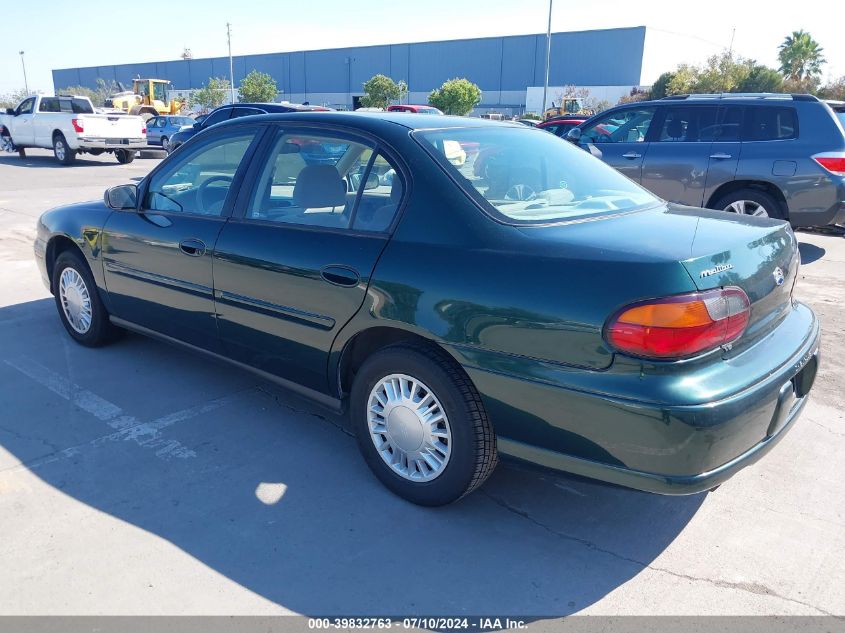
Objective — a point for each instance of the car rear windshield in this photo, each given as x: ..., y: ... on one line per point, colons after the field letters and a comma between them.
x: 528, y: 176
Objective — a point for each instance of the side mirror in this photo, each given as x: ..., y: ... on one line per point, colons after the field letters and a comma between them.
x: 122, y: 197
x: 574, y: 135
x: 373, y: 182
x: 10, y: 111
x: 198, y: 125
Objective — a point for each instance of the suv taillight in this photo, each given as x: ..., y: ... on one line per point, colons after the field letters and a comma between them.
x: 680, y: 326
x: 834, y: 162
x: 77, y: 125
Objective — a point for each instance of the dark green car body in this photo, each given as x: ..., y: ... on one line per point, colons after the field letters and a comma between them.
x: 521, y: 308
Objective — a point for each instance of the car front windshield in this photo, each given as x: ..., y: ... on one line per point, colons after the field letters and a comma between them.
x: 528, y: 176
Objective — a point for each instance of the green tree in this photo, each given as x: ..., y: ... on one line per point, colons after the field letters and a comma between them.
x: 661, y: 84
x: 13, y: 98
x: 380, y: 90
x: 211, y: 95
x: 834, y: 90
x: 761, y: 79
x: 456, y: 96
x: 257, y: 87
x: 800, y: 57
x: 722, y: 73
x: 683, y: 81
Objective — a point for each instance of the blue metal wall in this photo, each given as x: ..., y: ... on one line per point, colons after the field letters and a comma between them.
x: 610, y: 57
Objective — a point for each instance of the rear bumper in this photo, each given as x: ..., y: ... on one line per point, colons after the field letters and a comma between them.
x: 675, y: 448
x: 112, y: 143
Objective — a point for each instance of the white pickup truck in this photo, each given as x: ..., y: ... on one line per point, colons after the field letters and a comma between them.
x: 69, y: 126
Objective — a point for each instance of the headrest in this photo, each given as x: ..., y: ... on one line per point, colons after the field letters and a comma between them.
x: 319, y: 186
x: 675, y: 128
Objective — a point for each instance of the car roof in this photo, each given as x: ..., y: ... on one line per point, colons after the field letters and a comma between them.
x: 373, y: 121
x: 757, y: 98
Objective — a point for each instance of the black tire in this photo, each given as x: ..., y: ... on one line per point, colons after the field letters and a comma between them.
x: 773, y: 208
x: 101, y: 330
x: 124, y: 156
x: 64, y: 154
x: 473, y: 455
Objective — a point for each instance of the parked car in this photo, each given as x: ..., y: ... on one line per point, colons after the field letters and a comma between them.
x: 552, y: 311
x: 839, y: 108
x: 160, y: 129
x: 69, y: 126
x: 414, y: 109
x: 560, y: 125
x: 780, y: 156
x: 528, y: 122
x: 226, y: 112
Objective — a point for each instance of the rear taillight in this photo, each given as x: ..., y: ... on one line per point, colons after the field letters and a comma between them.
x: 77, y: 125
x: 143, y: 130
x: 834, y: 162
x: 680, y: 326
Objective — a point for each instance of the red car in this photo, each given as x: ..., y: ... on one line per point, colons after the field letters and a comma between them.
x: 417, y: 109
x: 560, y: 125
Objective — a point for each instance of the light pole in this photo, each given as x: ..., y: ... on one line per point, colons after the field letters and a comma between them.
x: 548, y: 58
x: 349, y: 61
x: 231, y: 66
x: 25, y: 82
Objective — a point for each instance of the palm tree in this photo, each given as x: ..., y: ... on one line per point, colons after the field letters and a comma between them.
x: 800, y: 57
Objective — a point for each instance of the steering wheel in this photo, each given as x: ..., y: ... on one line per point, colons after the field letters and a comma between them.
x: 202, y: 191
x: 520, y: 192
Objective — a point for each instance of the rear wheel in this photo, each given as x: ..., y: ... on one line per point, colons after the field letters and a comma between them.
x: 124, y: 156
x: 421, y: 426
x: 165, y: 144
x: 64, y: 154
x: 751, y: 202
x: 82, y: 313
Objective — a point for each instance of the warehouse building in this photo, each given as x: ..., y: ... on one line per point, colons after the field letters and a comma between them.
x: 509, y: 70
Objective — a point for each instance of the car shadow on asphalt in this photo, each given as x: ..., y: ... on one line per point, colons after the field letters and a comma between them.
x: 270, y: 491
x: 810, y: 252
x: 45, y: 161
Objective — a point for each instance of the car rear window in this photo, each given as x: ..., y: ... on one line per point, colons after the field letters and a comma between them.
x: 768, y: 123
x: 527, y: 176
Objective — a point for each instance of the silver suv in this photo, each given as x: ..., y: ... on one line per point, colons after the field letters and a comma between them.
x: 781, y: 156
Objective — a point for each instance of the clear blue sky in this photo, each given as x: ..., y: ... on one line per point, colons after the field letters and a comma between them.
x: 57, y: 34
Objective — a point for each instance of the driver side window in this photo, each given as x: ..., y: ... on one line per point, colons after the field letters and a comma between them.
x: 199, y: 181
x: 27, y: 106
x: 620, y: 126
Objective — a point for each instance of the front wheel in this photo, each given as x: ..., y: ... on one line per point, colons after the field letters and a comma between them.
x: 165, y: 144
x: 64, y: 154
x: 421, y: 426
x: 124, y: 156
x: 82, y: 313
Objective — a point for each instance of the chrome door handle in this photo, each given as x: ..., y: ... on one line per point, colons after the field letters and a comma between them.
x: 720, y: 156
x: 192, y: 247
x: 632, y: 155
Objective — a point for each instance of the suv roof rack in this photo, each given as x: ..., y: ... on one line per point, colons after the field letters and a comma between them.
x: 743, y: 95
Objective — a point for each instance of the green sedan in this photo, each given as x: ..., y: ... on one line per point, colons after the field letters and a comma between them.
x: 465, y: 289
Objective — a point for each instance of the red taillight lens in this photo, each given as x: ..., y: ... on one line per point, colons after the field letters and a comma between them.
x: 143, y: 130
x: 77, y: 125
x: 833, y: 162
x: 680, y: 326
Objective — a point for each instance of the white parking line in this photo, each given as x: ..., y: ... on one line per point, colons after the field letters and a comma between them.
x: 147, y: 435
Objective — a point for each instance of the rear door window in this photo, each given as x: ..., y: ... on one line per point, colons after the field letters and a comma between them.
x: 217, y: 116
x: 684, y: 124
x: 770, y: 123
x: 729, y: 127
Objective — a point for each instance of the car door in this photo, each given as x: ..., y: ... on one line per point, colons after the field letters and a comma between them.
x: 23, y: 124
x: 620, y: 138
x: 154, y: 130
x: 158, y: 260
x: 725, y: 151
x: 293, y: 264
x: 43, y: 122
x: 676, y: 165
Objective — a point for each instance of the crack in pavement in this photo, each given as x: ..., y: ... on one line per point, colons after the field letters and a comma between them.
x: 285, y: 404
x: 748, y: 587
x: 29, y: 438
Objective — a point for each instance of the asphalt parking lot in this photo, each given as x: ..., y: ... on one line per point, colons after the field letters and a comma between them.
x: 139, y: 479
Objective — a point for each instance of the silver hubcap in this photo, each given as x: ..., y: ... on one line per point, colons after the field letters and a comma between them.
x: 165, y: 144
x: 76, y: 301
x: 409, y: 427
x: 60, y: 150
x: 747, y: 207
